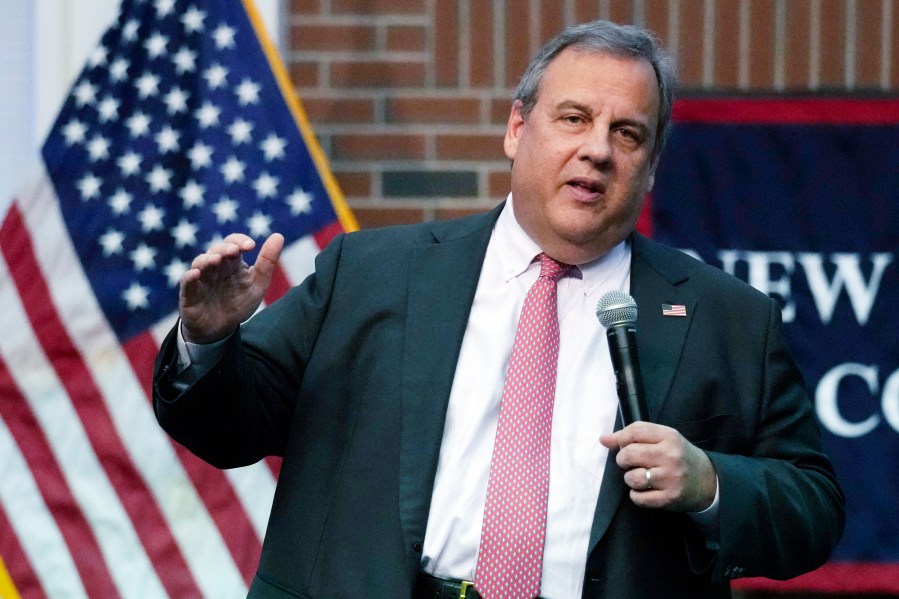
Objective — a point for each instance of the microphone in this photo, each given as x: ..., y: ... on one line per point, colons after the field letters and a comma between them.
x: 617, y: 311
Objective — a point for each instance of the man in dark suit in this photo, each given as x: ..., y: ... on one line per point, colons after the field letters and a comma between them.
x: 380, y: 380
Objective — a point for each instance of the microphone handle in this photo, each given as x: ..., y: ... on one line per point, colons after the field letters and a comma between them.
x: 628, y: 381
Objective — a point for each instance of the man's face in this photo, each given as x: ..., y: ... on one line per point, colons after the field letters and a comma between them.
x: 583, y: 158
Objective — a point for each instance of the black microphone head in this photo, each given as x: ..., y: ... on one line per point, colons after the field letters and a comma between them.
x: 616, y: 308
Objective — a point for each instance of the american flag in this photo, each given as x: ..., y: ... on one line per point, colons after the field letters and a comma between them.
x: 181, y: 128
x: 674, y: 310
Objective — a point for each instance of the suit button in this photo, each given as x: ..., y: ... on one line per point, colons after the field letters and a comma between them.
x: 417, y: 547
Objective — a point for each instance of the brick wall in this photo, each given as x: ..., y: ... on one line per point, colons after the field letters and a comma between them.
x: 409, y: 98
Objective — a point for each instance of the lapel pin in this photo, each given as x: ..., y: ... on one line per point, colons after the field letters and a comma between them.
x: 674, y: 310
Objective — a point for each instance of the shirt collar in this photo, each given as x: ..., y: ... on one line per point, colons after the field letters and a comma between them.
x: 517, y: 251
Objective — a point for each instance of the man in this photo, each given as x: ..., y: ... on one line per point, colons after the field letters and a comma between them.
x: 382, y: 380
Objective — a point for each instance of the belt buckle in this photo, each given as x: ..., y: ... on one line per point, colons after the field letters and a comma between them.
x: 463, y: 589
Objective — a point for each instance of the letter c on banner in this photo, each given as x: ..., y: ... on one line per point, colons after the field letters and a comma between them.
x: 890, y: 400
x: 827, y: 399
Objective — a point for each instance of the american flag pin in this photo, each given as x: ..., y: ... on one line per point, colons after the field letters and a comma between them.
x: 674, y: 310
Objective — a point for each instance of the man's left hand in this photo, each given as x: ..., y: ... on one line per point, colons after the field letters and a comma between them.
x: 681, y: 476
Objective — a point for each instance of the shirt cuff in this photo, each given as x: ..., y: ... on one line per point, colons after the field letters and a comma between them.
x: 200, y: 356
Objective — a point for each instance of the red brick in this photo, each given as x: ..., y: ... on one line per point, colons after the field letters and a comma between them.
x: 376, y: 7
x: 422, y: 109
x: 377, y: 74
x: 689, y: 59
x: 470, y: 147
x: 586, y: 10
x: 354, y: 183
x: 869, y: 44
x: 622, y: 11
x: 552, y: 20
x: 833, y: 39
x: 894, y: 67
x: 727, y: 44
x: 304, y: 74
x: 333, y: 37
x: 482, y: 64
x: 797, y: 44
x: 657, y: 21
x: 762, y: 17
x: 403, y: 38
x: 340, y: 110
x: 370, y: 217
x: 374, y: 146
x: 306, y: 7
x: 446, y: 43
x: 499, y: 183
x: 517, y: 42
x: 500, y: 110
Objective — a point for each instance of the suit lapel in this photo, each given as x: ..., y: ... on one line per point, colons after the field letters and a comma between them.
x: 442, y: 282
x: 660, y: 340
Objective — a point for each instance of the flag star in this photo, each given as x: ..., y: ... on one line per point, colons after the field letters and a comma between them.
x: 129, y: 31
x: 144, y: 257
x: 136, y: 296
x: 85, y: 93
x: 138, y: 124
x: 185, y: 61
x: 155, y: 46
x: 192, y: 194
x: 175, y: 270
x: 259, y: 224
x: 176, y: 100
x: 164, y: 7
x: 74, y: 132
x: 108, y: 109
x: 266, y: 186
x: 239, y: 131
x: 193, y: 20
x: 129, y: 163
x: 98, y: 148
x: 208, y: 115
x: 273, y: 147
x: 120, y: 202
x: 232, y: 170
x: 118, y: 70
x: 224, y: 37
x: 215, y: 76
x: 151, y: 218
x: 147, y: 85
x: 225, y: 210
x: 200, y: 155
x: 167, y: 140
x: 185, y: 234
x: 89, y: 186
x: 159, y: 179
x: 248, y: 92
x: 300, y: 202
x: 98, y: 56
x: 111, y: 241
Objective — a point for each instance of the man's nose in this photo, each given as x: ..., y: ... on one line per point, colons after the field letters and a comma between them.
x: 596, y: 146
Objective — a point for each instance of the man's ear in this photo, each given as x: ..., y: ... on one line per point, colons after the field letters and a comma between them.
x: 513, y: 130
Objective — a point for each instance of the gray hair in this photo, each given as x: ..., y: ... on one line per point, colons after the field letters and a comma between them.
x: 629, y: 41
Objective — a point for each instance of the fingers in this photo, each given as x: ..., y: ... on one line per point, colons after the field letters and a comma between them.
x: 269, y: 255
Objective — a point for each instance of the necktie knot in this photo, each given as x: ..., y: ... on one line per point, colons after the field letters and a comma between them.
x: 552, y: 269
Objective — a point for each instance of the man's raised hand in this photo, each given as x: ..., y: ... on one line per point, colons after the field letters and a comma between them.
x: 220, y: 290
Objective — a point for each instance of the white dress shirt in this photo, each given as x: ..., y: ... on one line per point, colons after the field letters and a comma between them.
x: 585, y: 408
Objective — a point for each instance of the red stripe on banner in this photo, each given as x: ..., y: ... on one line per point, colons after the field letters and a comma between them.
x: 833, y: 578
x: 82, y: 391
x: 74, y: 527
x: 279, y: 286
x: 772, y: 111
x: 14, y: 557
x: 324, y: 235
x: 212, y: 485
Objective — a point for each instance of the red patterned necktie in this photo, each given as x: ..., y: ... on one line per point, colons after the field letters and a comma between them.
x: 510, y: 558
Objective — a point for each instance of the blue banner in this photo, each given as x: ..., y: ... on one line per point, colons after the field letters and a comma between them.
x: 800, y: 198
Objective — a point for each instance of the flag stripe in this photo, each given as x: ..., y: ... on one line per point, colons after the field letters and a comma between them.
x: 211, y: 484
x: 196, y: 540
x: 39, y: 551
x: 7, y: 589
x: 79, y: 385
x: 78, y: 534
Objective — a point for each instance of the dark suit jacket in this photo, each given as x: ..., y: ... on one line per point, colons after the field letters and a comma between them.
x: 348, y: 378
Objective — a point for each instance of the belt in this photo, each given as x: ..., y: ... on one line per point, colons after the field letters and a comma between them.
x: 431, y: 587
